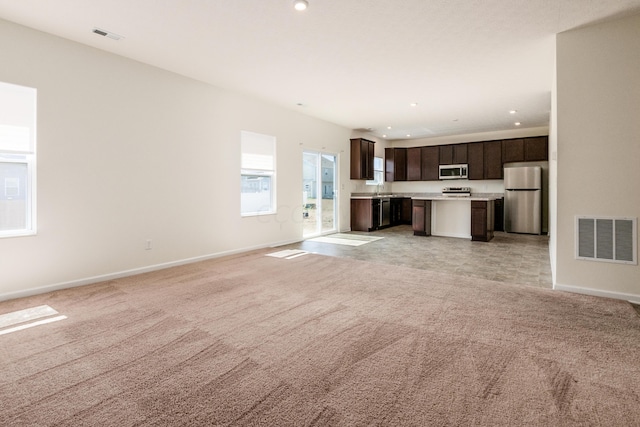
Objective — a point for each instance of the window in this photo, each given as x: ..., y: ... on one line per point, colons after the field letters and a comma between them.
x: 257, y: 174
x: 378, y: 172
x: 17, y: 160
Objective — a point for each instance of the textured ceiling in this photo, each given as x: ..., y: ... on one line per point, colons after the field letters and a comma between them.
x: 357, y: 63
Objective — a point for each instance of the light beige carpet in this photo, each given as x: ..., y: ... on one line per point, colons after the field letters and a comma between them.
x: 314, y: 340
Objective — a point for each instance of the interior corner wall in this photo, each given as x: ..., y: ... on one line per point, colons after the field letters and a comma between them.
x: 553, y: 178
x: 598, y: 147
x: 129, y: 153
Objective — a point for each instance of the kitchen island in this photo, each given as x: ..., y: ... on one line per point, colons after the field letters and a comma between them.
x: 432, y: 214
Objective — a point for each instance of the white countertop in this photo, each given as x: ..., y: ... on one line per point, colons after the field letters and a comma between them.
x: 457, y: 198
x: 428, y: 196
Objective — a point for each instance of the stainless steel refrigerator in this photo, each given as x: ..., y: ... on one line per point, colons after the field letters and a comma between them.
x: 523, y: 199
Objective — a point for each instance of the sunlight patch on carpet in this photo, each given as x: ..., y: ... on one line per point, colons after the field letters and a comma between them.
x: 20, y: 318
x: 288, y: 253
x: 346, y: 239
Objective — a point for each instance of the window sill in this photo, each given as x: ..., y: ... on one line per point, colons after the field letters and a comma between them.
x: 250, y: 214
x: 25, y: 233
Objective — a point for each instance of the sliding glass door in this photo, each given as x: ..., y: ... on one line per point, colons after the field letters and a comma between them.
x: 318, y: 193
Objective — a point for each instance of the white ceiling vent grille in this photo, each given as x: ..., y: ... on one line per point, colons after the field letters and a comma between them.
x: 105, y: 33
x: 608, y: 239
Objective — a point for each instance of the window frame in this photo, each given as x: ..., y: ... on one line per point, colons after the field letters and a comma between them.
x: 15, y: 153
x: 257, y: 169
x: 378, y: 174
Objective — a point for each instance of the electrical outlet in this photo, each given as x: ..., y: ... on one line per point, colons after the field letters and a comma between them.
x: 148, y: 245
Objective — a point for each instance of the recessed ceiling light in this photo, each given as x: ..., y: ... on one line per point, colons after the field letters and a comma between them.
x: 513, y: 111
x: 301, y: 4
x: 517, y: 123
x: 384, y: 136
x: 408, y: 135
x: 414, y: 104
x: 388, y: 127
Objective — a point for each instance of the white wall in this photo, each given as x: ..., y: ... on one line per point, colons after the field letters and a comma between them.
x: 598, y: 144
x: 129, y: 152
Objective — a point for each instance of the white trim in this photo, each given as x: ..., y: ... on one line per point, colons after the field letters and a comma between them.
x: 597, y: 292
x: 132, y: 272
x: 447, y: 234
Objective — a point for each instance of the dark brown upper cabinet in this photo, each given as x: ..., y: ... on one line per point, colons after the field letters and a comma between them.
x: 401, y: 164
x: 429, y: 163
x: 453, y: 154
x: 446, y: 154
x: 395, y: 164
x: 475, y: 156
x: 484, y: 158
x: 492, y: 159
x: 460, y: 156
x: 525, y: 149
x: 389, y: 165
x: 414, y: 162
x: 513, y: 150
x: 536, y: 149
x: 362, y: 153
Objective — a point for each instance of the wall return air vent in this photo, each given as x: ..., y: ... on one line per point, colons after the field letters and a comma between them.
x: 609, y: 239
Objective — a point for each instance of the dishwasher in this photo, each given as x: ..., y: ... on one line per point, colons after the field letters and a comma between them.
x: 385, y: 212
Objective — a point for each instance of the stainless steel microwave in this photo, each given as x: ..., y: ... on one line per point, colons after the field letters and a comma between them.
x: 453, y: 171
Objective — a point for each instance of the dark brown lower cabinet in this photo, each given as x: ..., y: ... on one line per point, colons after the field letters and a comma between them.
x: 499, y: 215
x: 482, y: 220
x: 421, y: 218
x: 365, y: 214
x: 396, y: 211
x: 407, y: 211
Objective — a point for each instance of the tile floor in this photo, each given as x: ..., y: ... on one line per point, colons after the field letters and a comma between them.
x: 509, y: 258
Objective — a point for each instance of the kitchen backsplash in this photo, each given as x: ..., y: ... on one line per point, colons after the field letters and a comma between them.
x: 480, y: 186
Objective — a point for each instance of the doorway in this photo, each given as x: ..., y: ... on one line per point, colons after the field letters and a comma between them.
x: 318, y: 193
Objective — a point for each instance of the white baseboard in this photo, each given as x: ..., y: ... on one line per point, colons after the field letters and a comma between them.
x: 447, y: 234
x: 633, y: 298
x: 132, y: 272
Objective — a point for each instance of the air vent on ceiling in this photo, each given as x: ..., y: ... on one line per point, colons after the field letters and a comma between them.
x: 610, y: 239
x: 105, y: 33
